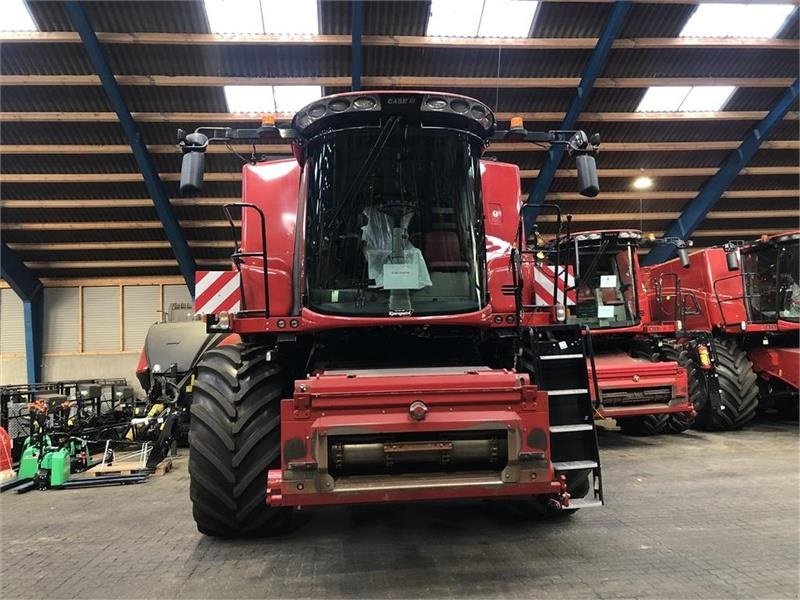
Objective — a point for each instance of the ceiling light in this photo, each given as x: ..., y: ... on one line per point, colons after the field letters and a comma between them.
x: 262, y: 16
x: 249, y: 98
x: 16, y: 17
x: 642, y: 183
x: 701, y: 98
x: 737, y: 20
x: 481, y: 18
x: 291, y: 98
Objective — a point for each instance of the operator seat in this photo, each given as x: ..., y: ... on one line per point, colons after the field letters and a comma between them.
x: 442, y: 251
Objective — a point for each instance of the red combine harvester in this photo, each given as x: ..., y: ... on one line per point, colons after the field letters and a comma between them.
x: 379, y: 311
x: 643, y: 390
x: 746, y: 295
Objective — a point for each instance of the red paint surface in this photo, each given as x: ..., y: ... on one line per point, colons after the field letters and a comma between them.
x: 331, y: 404
x: 777, y: 363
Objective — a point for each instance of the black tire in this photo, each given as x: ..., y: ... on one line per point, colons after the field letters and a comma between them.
x: 234, y: 439
x: 680, y: 422
x: 644, y: 425
x: 738, y: 390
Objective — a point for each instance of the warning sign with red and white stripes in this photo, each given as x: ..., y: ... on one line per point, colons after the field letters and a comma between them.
x: 216, y: 291
x: 543, y: 286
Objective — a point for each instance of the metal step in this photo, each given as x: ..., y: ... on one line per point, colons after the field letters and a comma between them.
x: 573, y: 465
x: 584, y: 503
x: 560, y: 356
x: 568, y: 392
x: 570, y: 428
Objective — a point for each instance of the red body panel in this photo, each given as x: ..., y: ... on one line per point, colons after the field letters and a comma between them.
x: 273, y: 187
x: 351, y: 403
x: 707, y: 268
x: 620, y: 372
x: 777, y: 363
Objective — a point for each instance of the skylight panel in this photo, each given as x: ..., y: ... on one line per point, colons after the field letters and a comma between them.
x: 507, y: 18
x: 706, y: 98
x: 291, y: 98
x: 663, y: 99
x: 290, y: 17
x: 250, y: 98
x: 456, y: 18
x: 701, y: 98
x: 262, y: 16
x: 234, y: 16
x: 737, y: 20
x: 16, y: 17
x: 481, y: 18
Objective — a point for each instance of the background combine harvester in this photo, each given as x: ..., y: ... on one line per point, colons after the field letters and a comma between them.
x: 379, y: 319
x: 639, y: 386
x: 746, y: 295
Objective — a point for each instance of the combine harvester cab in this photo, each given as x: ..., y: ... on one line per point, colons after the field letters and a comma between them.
x: 645, y: 391
x: 382, y: 355
x: 745, y: 297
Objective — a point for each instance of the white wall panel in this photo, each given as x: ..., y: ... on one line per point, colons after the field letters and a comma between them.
x: 140, y: 310
x: 176, y: 293
x: 61, y: 319
x: 12, y: 324
x: 100, y: 318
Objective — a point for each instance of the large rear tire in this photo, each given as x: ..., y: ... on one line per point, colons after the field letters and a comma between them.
x: 680, y: 422
x: 234, y: 439
x: 738, y: 390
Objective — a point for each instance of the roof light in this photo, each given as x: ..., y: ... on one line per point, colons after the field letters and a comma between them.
x: 642, y: 183
x: 290, y: 16
x: 262, y: 16
x: 234, y: 16
x: 737, y: 20
x: 706, y: 98
x: 16, y: 17
x: 291, y: 98
x: 507, y: 18
x: 250, y: 98
x: 481, y: 18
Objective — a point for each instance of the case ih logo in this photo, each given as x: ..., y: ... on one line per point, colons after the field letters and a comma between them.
x: 215, y: 291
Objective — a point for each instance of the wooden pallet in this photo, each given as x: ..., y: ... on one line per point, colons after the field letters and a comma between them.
x: 130, y: 468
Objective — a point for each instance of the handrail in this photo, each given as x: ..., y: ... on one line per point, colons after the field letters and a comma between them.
x: 238, y: 255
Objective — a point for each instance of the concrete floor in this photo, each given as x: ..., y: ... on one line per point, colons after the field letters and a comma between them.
x: 687, y: 516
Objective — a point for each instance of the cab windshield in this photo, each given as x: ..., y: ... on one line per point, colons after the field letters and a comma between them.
x: 771, y: 283
x: 605, y: 284
x: 394, y: 222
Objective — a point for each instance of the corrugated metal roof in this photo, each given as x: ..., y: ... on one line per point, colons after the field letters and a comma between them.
x: 553, y: 19
x: 111, y: 15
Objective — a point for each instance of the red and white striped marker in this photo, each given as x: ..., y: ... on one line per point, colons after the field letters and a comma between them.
x: 543, y: 286
x: 216, y: 291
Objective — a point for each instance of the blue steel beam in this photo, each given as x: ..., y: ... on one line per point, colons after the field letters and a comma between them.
x: 28, y: 287
x: 594, y: 67
x: 155, y: 187
x: 356, y: 29
x: 715, y: 186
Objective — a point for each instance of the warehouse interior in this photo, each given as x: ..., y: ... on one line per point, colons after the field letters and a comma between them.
x: 696, y: 105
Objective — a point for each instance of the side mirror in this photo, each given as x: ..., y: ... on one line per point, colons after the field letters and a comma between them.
x: 192, y: 169
x: 193, y: 146
x: 732, y: 258
x: 683, y: 254
x: 588, y: 184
